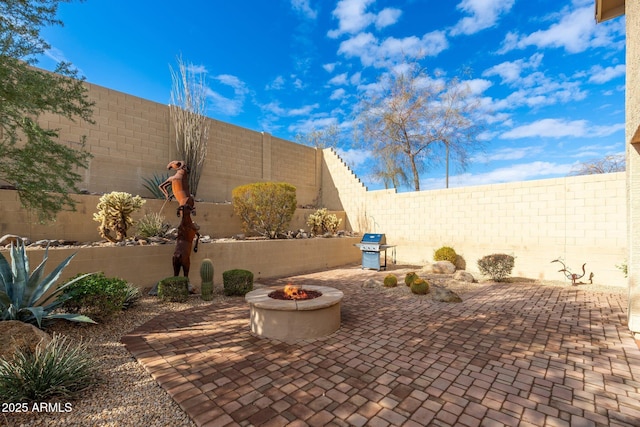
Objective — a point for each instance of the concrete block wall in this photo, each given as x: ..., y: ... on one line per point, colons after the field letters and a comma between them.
x: 580, y: 219
x: 133, y: 138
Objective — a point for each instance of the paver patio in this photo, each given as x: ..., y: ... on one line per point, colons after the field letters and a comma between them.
x: 510, y: 354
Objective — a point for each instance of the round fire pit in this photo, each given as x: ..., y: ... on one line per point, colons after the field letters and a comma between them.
x: 290, y: 320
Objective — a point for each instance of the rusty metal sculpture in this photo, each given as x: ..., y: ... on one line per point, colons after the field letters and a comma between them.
x: 187, y: 232
x: 179, y: 183
x: 573, y: 276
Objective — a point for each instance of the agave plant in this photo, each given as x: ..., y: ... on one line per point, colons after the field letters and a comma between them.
x: 152, y: 184
x: 22, y: 295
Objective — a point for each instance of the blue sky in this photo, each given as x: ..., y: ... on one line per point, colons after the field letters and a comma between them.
x: 551, y: 80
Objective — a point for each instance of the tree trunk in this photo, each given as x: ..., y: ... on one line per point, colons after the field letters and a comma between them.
x: 414, y: 170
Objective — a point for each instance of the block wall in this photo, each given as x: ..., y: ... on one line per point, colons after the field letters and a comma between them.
x: 133, y: 138
x: 580, y: 219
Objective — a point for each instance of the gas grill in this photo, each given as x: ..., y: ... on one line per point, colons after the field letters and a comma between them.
x: 371, y: 245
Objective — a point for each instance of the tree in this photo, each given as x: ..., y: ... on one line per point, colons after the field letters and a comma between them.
x: 320, y: 138
x: 410, y: 113
x: 187, y: 110
x: 43, y: 170
x: 606, y: 164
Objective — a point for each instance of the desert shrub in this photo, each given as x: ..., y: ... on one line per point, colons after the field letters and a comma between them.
x: 99, y: 296
x: 496, y: 266
x: 322, y: 222
x: 237, y: 282
x: 23, y: 293
x: 265, y: 207
x: 114, y: 214
x: 419, y: 286
x: 174, y: 289
x: 61, y: 368
x: 409, y: 278
x: 391, y: 281
x: 152, y: 224
x: 445, y: 253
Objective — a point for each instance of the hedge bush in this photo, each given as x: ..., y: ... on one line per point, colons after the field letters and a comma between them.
x: 496, y: 266
x: 237, y: 282
x: 265, y: 208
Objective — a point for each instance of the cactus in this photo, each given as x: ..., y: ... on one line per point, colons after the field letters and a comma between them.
x: 206, y: 274
x: 114, y: 214
x: 409, y: 278
x: 390, y: 281
x: 420, y: 286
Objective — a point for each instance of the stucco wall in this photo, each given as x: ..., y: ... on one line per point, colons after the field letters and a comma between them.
x: 632, y: 16
x: 581, y: 219
x: 144, y: 266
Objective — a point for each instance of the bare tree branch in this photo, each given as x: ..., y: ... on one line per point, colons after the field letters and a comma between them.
x: 607, y: 164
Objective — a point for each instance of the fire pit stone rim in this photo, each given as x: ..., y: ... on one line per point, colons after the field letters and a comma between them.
x: 260, y: 299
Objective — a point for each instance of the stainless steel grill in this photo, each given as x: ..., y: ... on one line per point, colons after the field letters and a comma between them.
x: 372, y: 245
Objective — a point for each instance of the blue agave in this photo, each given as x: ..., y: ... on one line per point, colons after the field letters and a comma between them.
x: 22, y: 294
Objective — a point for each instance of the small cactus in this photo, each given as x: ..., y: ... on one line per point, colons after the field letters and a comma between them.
x: 420, y: 286
x: 409, y: 278
x: 206, y: 275
x: 390, y: 281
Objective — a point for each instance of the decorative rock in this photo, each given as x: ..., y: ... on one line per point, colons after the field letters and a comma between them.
x: 15, y: 334
x: 371, y: 284
x: 464, y: 276
x: 444, y: 295
x: 444, y: 267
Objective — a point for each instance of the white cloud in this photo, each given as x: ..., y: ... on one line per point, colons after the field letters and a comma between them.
x: 483, y: 14
x: 511, y: 71
x: 329, y: 67
x: 337, y: 94
x: 340, y: 79
x: 352, y: 17
x: 601, y: 75
x: 557, y: 128
x: 508, y: 153
x: 516, y: 172
x: 575, y: 31
x: 275, y: 109
x: 304, y: 8
x: 276, y: 84
x: 387, y: 17
x: 372, y: 52
x: 354, y: 157
x: 230, y: 106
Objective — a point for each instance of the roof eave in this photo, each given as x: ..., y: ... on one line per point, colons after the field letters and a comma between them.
x: 609, y: 9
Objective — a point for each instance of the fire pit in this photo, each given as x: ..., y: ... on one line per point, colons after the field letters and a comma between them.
x: 290, y: 315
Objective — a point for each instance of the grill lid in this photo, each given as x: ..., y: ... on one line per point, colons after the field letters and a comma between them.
x: 377, y: 238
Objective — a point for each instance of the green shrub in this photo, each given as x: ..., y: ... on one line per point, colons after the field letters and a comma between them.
x: 445, y: 253
x: 322, y: 222
x: 265, y: 207
x: 22, y: 292
x: 237, y: 282
x: 496, y: 266
x: 391, y: 281
x: 99, y: 296
x: 420, y: 286
x: 59, y: 369
x: 409, y: 278
x: 174, y: 289
x: 152, y: 224
x: 114, y: 214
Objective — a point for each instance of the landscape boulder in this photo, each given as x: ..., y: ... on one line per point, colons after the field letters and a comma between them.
x: 444, y: 295
x: 15, y: 335
x: 443, y: 267
x: 463, y: 276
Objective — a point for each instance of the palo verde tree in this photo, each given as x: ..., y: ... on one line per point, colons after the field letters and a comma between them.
x: 187, y: 111
x: 43, y: 169
x: 410, y: 116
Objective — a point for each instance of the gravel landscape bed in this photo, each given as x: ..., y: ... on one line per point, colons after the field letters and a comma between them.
x: 128, y: 396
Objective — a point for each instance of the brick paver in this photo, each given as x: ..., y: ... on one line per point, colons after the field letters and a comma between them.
x: 509, y: 354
